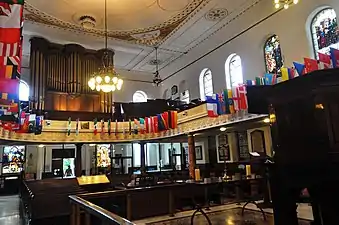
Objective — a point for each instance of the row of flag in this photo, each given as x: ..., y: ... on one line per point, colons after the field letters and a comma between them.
x: 153, y: 124
x: 11, y: 20
x: 229, y: 101
x: 325, y: 62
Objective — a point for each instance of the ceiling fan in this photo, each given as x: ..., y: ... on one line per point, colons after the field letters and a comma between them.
x: 157, y: 81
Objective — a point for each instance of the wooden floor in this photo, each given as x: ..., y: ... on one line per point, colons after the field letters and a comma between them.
x: 227, y: 217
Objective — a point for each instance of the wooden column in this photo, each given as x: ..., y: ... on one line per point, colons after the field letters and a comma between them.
x: 78, y: 168
x: 191, y: 156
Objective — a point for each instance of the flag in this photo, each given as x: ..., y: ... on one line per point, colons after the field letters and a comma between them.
x: 226, y: 102
x: 21, y: 2
x: 130, y: 126
x: 142, y: 125
x: 166, y: 120
x: 324, y: 61
x: 221, y: 104
x: 236, y: 99
x: 147, y: 125
x: 77, y: 127
x: 174, y: 119
x: 250, y: 82
x: 259, y: 81
x: 95, y: 126
x: 38, y: 124
x: 102, y: 126
x: 69, y: 126
x: 291, y: 73
x: 10, y: 22
x: 212, y: 105
x: 300, y: 68
x: 155, y: 124
x: 136, y: 126
x: 116, y: 128
x: 335, y: 57
x: 9, y: 49
x: 270, y: 79
x: 161, y: 122
x: 123, y: 127
x: 310, y: 65
x: 284, y: 74
x: 109, y: 126
x: 230, y: 101
x: 241, y: 94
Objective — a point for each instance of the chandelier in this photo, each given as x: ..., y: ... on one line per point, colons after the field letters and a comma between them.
x: 285, y: 3
x: 156, y: 79
x: 106, y: 79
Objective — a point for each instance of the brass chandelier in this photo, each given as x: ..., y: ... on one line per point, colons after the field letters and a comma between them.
x: 284, y: 3
x: 106, y: 79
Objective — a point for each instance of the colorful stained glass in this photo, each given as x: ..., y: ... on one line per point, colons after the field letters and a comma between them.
x: 325, y: 31
x: 273, y: 56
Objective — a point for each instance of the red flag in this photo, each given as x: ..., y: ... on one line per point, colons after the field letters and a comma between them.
x: 147, y: 124
x: 9, y: 86
x: 165, y: 116
x: 155, y: 124
x: 310, y: 65
x: 241, y: 95
x: 8, y: 49
x: 324, y: 61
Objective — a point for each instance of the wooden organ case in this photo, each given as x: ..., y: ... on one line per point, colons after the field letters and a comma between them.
x: 59, y: 75
x: 304, y: 114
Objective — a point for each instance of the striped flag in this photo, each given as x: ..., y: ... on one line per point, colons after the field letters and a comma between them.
x: 9, y: 49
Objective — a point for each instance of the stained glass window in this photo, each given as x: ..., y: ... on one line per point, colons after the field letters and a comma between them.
x: 324, y: 28
x: 139, y: 96
x: 273, y: 56
x: 233, y: 68
x: 206, y: 83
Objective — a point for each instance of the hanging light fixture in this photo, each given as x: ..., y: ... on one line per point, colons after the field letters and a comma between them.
x: 156, y: 79
x: 284, y: 3
x: 106, y: 79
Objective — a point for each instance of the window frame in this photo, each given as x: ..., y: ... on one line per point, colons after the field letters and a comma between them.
x: 141, y: 94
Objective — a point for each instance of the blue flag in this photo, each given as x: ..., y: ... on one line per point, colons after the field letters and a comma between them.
x: 335, y: 57
x: 299, y: 68
x: 221, y: 104
x: 268, y: 79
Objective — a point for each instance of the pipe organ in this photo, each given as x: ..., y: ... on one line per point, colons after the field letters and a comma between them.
x: 59, y: 76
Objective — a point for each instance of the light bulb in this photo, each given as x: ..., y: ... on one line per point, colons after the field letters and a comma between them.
x: 277, y: 6
x: 266, y: 120
x: 107, y: 79
x: 118, y: 87
x: 295, y: 1
x: 113, y: 87
x: 222, y: 129
x: 286, y: 6
x: 276, y: 1
x: 120, y: 81
x: 115, y: 80
x: 98, y: 79
x: 97, y: 87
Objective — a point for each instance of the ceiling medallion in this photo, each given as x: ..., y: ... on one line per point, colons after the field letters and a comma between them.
x: 216, y: 14
x: 106, y: 79
x: 87, y: 22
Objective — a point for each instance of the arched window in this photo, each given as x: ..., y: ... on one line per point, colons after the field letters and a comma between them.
x: 233, y: 70
x: 205, y: 83
x: 273, y: 56
x: 23, y: 91
x: 324, y: 29
x: 139, y: 96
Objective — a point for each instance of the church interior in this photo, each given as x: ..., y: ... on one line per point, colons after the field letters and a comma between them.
x: 169, y: 112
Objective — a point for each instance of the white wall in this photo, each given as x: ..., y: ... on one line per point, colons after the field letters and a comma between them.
x: 204, y: 151
x: 290, y: 25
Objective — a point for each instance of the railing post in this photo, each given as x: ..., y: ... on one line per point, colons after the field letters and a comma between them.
x: 87, y: 219
x: 129, y: 207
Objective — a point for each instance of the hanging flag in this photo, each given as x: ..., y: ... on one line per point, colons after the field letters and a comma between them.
x: 270, y: 79
x: 324, y: 61
x: 77, y: 127
x: 259, y: 81
x: 130, y: 126
x: 300, y: 68
x: 109, y: 126
x: 161, y: 122
x: 102, y: 126
x: 335, y: 57
x: 142, y: 125
x: 123, y: 127
x: 136, y: 126
x: 95, y: 126
x: 226, y: 102
x: 155, y: 124
x: 166, y: 119
x: 10, y: 23
x: 230, y: 101
x: 116, y: 128
x: 284, y: 74
x: 21, y: 2
x: 291, y: 73
x: 212, y: 105
x: 147, y: 123
x: 310, y: 65
x: 221, y: 104
x: 38, y: 124
x: 241, y: 93
x: 250, y: 82
x: 174, y: 119
x: 69, y: 124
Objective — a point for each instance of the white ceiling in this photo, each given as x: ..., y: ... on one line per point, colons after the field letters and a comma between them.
x: 182, y: 24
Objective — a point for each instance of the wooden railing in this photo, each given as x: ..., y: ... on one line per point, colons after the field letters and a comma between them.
x: 82, y: 207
